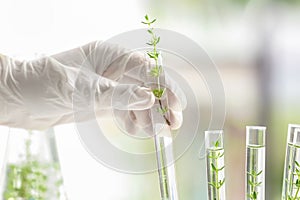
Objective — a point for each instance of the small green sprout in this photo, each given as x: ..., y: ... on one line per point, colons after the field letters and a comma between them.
x: 217, y: 144
x: 157, y: 70
x: 295, y: 184
x: 214, y: 157
x: 253, y: 184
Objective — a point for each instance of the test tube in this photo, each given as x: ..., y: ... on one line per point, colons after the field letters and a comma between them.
x: 165, y: 163
x: 215, y: 164
x: 291, y: 174
x: 255, y: 163
x: 163, y: 139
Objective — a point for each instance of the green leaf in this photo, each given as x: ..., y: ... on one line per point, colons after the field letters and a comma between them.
x: 223, y: 181
x: 150, y: 31
x: 220, y: 184
x: 144, y: 22
x: 152, y: 55
x: 213, y: 167
x: 259, y: 173
x: 297, y: 183
x: 158, y: 93
x: 221, y: 168
x: 254, y: 173
x: 255, y: 195
x: 163, y: 110
x: 221, y: 155
x: 258, y: 184
x: 150, y: 44
x: 158, y: 39
x: 212, y: 184
x: 153, y: 21
x: 251, y: 183
x: 212, y: 157
x: 146, y: 17
x: 217, y: 144
x: 156, y: 71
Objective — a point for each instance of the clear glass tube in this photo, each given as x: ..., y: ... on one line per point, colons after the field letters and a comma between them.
x: 166, y: 168
x: 291, y: 174
x: 163, y: 139
x: 255, y: 163
x: 32, y: 169
x: 215, y: 165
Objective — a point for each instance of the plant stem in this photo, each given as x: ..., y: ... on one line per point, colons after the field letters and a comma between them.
x: 164, y: 116
x: 217, y: 178
x: 252, y: 191
x: 214, y: 176
x: 155, y: 52
x: 157, y: 68
x: 296, y: 195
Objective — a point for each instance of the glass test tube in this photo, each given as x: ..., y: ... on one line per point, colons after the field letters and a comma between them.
x: 166, y: 168
x: 255, y: 163
x: 215, y: 164
x: 163, y: 139
x: 291, y: 176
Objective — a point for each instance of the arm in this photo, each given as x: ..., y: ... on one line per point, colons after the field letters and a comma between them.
x: 39, y: 94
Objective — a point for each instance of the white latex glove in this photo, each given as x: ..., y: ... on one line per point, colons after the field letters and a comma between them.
x: 41, y: 93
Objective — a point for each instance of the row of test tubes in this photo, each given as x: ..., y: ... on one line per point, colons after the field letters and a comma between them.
x: 255, y: 164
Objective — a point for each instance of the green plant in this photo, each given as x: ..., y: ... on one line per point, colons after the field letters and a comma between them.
x: 295, y: 184
x: 214, y: 156
x: 252, y: 181
x: 29, y: 179
x: 157, y: 70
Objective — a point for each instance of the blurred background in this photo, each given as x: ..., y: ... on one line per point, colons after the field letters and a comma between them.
x: 255, y: 45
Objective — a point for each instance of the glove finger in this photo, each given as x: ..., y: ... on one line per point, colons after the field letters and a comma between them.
x: 137, y: 67
x: 122, y: 96
x: 175, y: 118
x: 142, y: 118
x: 120, y: 61
x: 134, y: 122
x: 132, y: 97
x: 124, y: 120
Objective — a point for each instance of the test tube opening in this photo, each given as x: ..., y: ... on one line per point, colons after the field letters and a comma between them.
x: 291, y: 133
x: 214, y: 139
x: 255, y: 136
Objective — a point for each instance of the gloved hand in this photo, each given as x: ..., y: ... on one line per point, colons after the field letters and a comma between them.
x: 96, y: 77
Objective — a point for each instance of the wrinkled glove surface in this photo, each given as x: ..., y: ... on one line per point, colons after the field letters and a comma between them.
x: 45, y: 92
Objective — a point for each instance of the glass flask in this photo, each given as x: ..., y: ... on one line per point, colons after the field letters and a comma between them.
x: 32, y: 169
x: 215, y: 164
x: 255, y: 163
x: 291, y: 176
